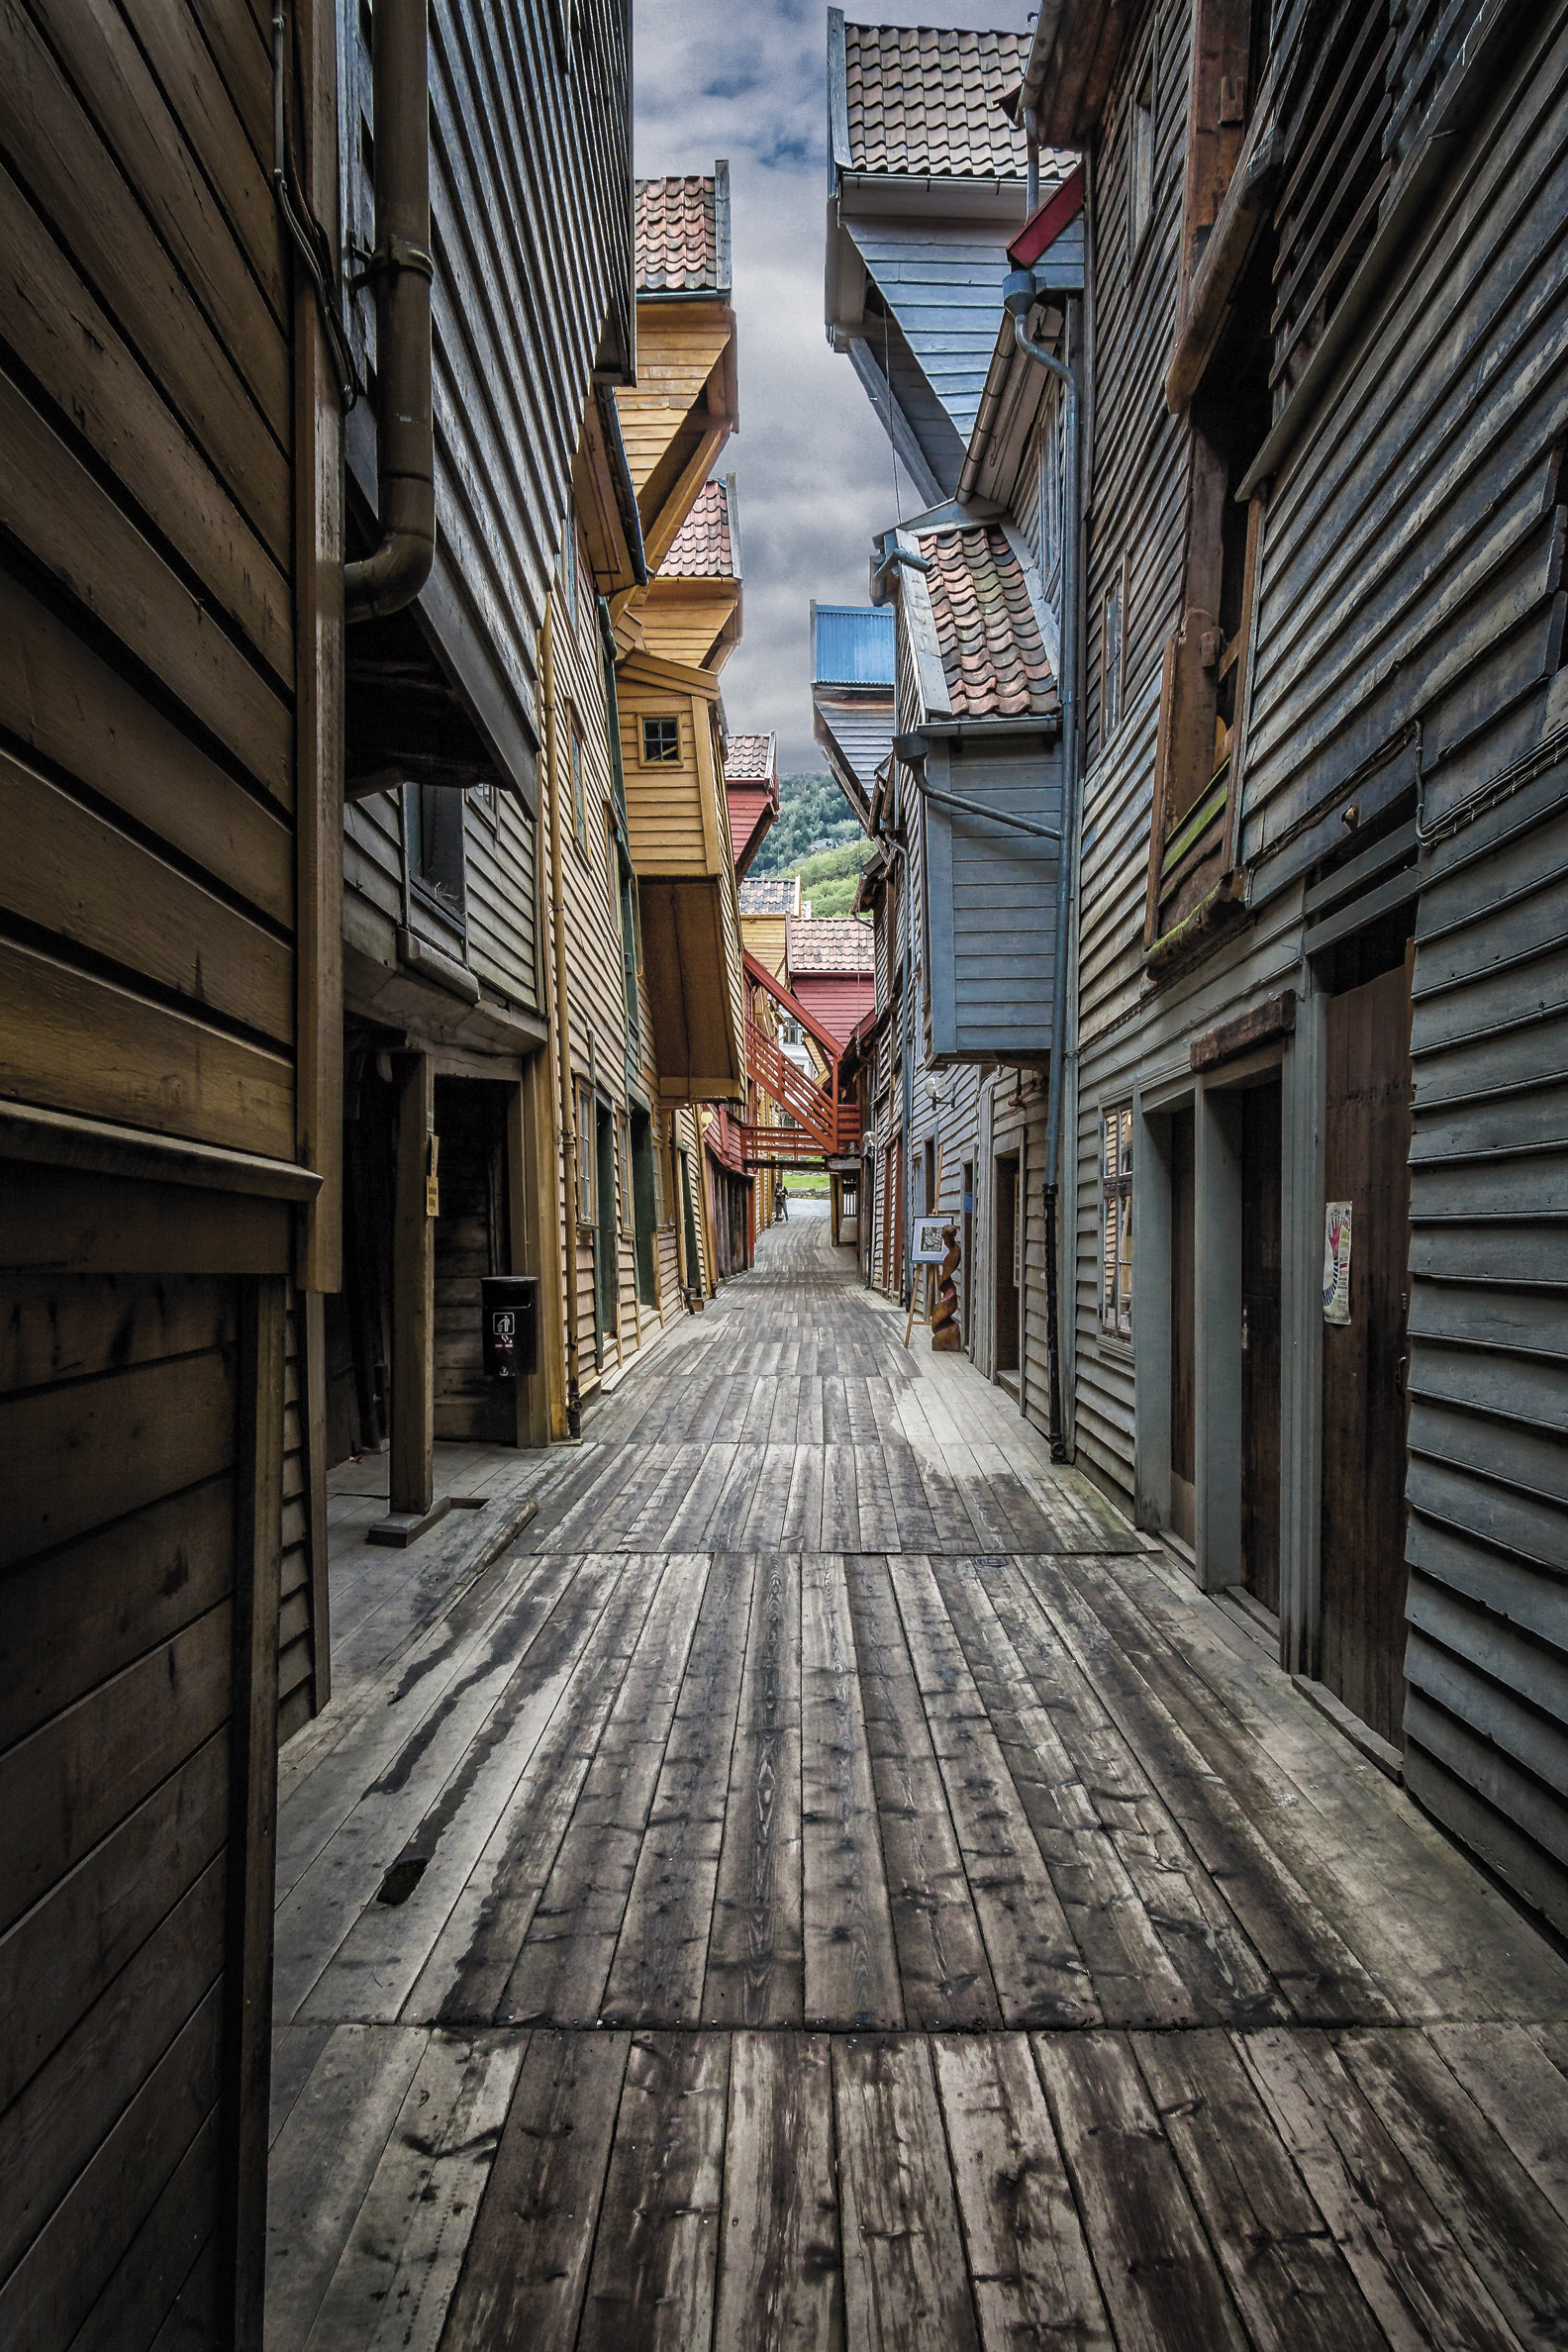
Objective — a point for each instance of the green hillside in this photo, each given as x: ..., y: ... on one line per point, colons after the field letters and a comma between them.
x: 813, y: 816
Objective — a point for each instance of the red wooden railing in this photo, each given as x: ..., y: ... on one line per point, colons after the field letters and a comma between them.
x: 819, y: 1121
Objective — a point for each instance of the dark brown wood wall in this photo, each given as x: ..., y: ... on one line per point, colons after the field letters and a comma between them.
x: 150, y: 1021
x: 1136, y: 462
x: 1409, y: 646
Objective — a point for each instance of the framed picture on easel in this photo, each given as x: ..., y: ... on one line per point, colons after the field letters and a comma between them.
x: 929, y: 1248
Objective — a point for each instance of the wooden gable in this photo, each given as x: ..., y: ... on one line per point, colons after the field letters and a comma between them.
x: 678, y: 826
x: 681, y: 411
x: 692, y: 620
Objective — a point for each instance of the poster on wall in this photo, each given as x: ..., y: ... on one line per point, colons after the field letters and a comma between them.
x: 929, y: 1248
x: 1336, y: 1262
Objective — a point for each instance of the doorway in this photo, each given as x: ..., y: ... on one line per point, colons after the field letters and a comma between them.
x: 1260, y: 1344
x: 1183, y: 1391
x: 1367, y: 1140
x: 1006, y: 1265
x: 470, y: 1240
x: 965, y: 1271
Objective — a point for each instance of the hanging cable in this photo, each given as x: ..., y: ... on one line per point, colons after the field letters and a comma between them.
x: 306, y: 234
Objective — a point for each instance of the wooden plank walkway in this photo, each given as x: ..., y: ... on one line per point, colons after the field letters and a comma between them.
x: 832, y: 1884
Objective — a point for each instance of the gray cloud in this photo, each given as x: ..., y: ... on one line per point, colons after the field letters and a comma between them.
x: 812, y: 467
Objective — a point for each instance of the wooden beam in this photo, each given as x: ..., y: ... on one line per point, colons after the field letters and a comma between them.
x: 1275, y: 1019
x: 248, y: 2023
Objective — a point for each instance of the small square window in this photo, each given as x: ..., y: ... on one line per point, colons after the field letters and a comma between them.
x: 660, y: 742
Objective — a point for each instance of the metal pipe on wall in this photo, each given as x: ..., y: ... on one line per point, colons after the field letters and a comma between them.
x: 569, y: 1091
x: 1019, y: 298
x: 401, y: 271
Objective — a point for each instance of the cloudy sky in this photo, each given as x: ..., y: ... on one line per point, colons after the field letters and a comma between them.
x: 748, y: 79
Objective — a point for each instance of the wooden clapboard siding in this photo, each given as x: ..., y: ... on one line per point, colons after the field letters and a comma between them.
x: 144, y: 489
x: 1487, y: 1539
x: 501, y: 844
x: 84, y: 719
x: 128, y: 1609
x: 1135, y: 459
x: 1137, y: 462
x: 530, y: 213
x: 155, y: 1454
x: 1411, y: 578
x: 57, y: 146
x: 1426, y: 481
x: 681, y: 350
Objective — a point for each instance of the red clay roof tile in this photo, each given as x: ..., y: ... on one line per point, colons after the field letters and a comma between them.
x: 678, y: 236
x: 921, y: 100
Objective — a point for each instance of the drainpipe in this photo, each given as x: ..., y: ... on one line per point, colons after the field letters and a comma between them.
x: 1018, y: 295
x: 401, y: 271
x: 1032, y: 167
x: 568, y: 1093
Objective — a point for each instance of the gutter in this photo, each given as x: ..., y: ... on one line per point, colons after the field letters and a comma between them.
x: 401, y: 271
x: 1018, y: 297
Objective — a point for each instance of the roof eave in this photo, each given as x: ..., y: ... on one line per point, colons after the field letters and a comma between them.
x: 1071, y: 63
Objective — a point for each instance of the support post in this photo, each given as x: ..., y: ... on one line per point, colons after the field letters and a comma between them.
x: 412, y: 1504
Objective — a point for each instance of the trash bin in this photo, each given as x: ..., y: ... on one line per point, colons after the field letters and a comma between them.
x: 510, y: 1307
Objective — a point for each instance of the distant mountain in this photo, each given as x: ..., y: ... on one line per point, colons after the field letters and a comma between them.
x: 812, y: 816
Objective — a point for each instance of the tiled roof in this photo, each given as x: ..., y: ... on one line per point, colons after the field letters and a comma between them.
x: 678, y: 236
x: 993, y: 655
x: 830, y: 943
x: 749, y: 759
x: 703, y: 548
x: 925, y: 101
x: 770, y: 894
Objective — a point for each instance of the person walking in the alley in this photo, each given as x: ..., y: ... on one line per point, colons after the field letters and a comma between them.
x: 781, y: 1197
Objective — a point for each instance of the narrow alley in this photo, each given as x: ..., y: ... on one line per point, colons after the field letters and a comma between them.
x: 829, y: 1882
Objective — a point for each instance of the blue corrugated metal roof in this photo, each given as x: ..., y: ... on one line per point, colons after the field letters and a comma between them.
x: 853, y: 645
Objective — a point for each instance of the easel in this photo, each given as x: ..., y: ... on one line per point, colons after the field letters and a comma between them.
x: 922, y: 1290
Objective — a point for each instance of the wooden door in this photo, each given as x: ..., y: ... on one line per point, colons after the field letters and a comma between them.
x: 1183, y: 1421
x: 1260, y: 1343
x: 1367, y: 1137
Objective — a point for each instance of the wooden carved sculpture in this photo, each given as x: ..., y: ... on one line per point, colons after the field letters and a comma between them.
x: 945, y: 1329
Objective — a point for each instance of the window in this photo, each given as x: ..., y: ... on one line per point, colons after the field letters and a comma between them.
x: 585, y: 1156
x: 661, y: 741
x: 1141, y: 158
x: 624, y: 1167
x: 434, y: 818
x: 570, y: 560
x: 1115, y: 1222
x: 1112, y: 653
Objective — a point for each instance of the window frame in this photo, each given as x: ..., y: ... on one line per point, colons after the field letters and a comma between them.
x: 648, y: 719
x: 587, y: 1201
x: 1115, y: 1199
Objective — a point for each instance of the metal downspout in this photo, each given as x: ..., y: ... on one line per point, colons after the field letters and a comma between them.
x: 1019, y: 298
x: 401, y: 270
x: 569, y: 1103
